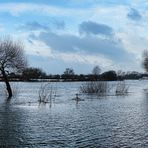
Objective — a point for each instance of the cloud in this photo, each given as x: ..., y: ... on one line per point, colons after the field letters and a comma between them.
x: 39, y: 51
x: 78, y: 59
x: 84, y: 58
x: 2, y: 29
x: 38, y: 26
x: 134, y: 15
x: 96, y: 39
x: 68, y: 43
x: 38, y: 48
x: 101, y: 2
x: 16, y: 9
x: 60, y: 25
x: 84, y: 64
x: 89, y: 27
x: 33, y: 26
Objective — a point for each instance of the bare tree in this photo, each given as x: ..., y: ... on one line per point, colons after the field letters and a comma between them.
x: 69, y: 71
x: 96, y: 70
x: 145, y: 60
x: 11, y: 59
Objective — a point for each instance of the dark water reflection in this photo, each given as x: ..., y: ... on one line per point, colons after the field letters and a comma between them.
x: 11, y: 130
x: 109, y: 122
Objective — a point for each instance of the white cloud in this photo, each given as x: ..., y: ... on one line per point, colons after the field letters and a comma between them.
x: 93, y: 12
x: 84, y: 58
x: 38, y: 48
x: 2, y: 29
x: 17, y: 8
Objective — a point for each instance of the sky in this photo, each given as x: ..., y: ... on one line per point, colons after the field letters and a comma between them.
x: 78, y: 34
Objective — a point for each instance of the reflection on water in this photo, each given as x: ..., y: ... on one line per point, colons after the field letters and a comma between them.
x: 11, y: 130
x: 109, y: 122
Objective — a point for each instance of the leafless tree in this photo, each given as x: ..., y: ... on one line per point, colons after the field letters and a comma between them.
x: 96, y: 70
x: 69, y: 71
x: 12, y: 58
x: 145, y: 60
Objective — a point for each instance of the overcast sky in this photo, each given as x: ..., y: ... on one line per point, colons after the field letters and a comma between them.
x: 78, y: 33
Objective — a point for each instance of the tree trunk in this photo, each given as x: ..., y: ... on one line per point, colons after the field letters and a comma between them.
x: 7, y: 84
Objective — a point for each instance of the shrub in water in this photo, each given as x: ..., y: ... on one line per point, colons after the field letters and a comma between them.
x: 121, y: 88
x: 104, y: 88
x: 47, y: 93
x: 95, y: 87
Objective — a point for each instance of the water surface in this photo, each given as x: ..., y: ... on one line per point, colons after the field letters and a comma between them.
x: 112, y: 121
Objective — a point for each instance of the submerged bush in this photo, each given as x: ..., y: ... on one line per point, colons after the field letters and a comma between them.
x: 95, y: 87
x: 121, y: 88
x: 47, y: 93
x: 104, y: 88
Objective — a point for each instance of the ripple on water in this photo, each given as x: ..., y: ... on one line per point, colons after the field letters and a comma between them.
x: 106, y: 122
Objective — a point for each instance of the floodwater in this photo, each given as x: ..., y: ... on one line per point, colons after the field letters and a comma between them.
x: 96, y: 122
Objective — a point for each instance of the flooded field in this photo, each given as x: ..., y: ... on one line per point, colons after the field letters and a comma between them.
x: 109, y: 121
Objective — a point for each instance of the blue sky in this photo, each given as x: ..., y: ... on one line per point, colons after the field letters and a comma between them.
x: 78, y: 34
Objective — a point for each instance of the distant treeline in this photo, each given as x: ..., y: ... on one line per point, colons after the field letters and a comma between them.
x: 36, y: 74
